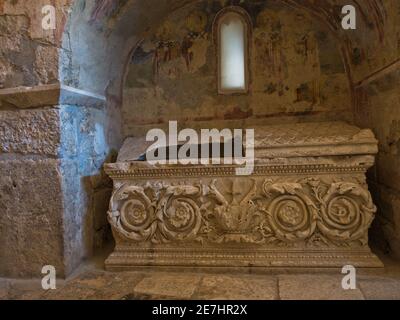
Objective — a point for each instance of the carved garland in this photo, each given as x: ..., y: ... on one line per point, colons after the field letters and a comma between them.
x: 172, y: 215
x: 284, y: 213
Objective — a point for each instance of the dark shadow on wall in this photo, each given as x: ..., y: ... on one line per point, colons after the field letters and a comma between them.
x: 99, y: 189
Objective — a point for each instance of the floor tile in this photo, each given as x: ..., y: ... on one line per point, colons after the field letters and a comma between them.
x: 172, y: 286
x: 315, y: 287
x: 380, y: 289
x: 238, y: 288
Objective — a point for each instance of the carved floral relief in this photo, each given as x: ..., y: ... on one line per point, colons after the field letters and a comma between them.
x: 308, y: 212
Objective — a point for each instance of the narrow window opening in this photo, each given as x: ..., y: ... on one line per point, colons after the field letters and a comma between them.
x: 233, y: 53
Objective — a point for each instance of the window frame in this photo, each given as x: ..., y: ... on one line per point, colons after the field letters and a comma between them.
x: 246, y: 20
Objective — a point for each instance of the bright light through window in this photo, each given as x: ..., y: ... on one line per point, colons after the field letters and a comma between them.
x: 232, y: 53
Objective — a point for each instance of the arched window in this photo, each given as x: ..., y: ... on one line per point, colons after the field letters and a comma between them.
x: 232, y: 29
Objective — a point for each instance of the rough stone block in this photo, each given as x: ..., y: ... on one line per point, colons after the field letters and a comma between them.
x: 34, y: 132
x: 78, y: 224
x: 30, y: 217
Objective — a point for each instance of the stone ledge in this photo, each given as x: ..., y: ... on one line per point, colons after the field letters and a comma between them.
x: 48, y: 95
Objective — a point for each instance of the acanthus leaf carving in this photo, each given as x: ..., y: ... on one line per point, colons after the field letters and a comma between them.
x: 291, y: 213
x: 288, y: 213
x: 347, y: 212
x: 172, y: 215
x: 235, y: 220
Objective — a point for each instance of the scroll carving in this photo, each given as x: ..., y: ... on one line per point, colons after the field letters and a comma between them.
x: 307, y: 212
x: 292, y: 216
x: 347, y: 212
x: 170, y: 214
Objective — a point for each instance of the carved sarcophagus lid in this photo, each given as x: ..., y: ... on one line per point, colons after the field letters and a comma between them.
x: 313, y: 140
x: 305, y: 204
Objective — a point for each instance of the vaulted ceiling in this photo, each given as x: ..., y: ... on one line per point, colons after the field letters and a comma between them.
x: 100, y: 35
x: 372, y: 12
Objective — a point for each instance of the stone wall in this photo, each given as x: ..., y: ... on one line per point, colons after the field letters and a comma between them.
x: 378, y: 107
x: 297, y: 72
x: 54, y: 194
x: 31, y: 219
x: 28, y: 53
x: 31, y: 202
x: 54, y: 141
x: 86, y: 189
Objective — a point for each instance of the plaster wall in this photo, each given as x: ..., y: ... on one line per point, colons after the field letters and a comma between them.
x: 296, y: 70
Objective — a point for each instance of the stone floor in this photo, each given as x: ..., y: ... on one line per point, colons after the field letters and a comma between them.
x: 91, y: 282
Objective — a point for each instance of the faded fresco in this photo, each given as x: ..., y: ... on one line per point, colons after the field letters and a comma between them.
x: 296, y: 69
x: 384, y: 34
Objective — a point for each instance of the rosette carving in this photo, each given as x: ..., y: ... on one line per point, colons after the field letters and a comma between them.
x: 132, y: 213
x: 156, y: 213
x: 291, y: 214
x: 179, y: 216
x: 347, y: 212
x: 282, y: 213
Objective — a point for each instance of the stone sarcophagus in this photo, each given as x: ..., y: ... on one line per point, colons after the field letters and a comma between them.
x: 306, y: 205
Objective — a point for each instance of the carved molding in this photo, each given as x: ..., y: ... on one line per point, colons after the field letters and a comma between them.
x: 228, y: 171
x: 127, y: 258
